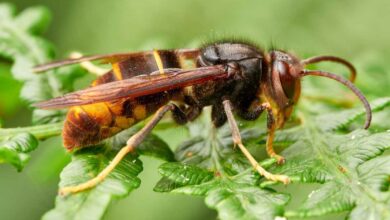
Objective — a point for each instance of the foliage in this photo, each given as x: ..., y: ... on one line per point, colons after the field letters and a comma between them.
x: 21, y: 44
x: 322, y: 144
x: 316, y: 154
x: 14, y: 150
x: 93, y: 203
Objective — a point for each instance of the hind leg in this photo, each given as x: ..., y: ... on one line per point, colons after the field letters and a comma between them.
x: 132, y: 143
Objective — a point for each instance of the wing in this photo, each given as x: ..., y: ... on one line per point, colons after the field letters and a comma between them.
x: 111, y: 58
x: 136, y: 86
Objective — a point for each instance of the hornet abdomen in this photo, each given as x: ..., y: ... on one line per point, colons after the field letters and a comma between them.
x: 89, y: 124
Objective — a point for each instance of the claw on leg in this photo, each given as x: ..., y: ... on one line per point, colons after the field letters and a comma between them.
x: 270, y: 149
x: 279, y: 159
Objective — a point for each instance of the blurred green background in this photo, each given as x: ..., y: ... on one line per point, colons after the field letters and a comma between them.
x: 351, y: 29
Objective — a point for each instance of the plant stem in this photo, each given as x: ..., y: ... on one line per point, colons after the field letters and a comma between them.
x: 39, y: 131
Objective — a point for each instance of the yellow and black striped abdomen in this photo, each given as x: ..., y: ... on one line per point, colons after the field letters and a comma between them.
x: 90, y: 124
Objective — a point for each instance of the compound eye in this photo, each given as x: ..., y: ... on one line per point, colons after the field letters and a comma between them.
x: 288, y: 81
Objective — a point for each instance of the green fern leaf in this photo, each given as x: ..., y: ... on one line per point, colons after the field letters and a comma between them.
x: 19, y: 42
x: 14, y: 151
x: 93, y: 203
x: 87, y: 163
x: 352, y: 174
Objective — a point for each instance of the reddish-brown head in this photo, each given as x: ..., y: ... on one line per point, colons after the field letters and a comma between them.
x: 285, y: 72
x: 285, y: 75
x: 281, y: 85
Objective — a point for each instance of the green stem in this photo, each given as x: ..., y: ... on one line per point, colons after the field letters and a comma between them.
x: 41, y: 132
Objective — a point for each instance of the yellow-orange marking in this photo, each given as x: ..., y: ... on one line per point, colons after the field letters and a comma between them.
x: 186, y: 63
x: 99, y: 112
x: 159, y: 62
x: 139, y: 112
x: 123, y: 122
x: 115, y: 107
x: 76, y: 112
x: 114, y: 130
x: 94, y: 83
x: 117, y: 71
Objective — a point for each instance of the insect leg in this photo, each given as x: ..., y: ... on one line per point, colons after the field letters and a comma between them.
x: 179, y: 116
x: 271, y: 126
x: 88, y: 65
x: 253, y: 112
x: 237, y: 140
x: 217, y: 118
x: 132, y: 143
x: 193, y: 112
x: 182, y: 114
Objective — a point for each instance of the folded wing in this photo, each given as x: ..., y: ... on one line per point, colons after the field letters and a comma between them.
x: 136, y: 86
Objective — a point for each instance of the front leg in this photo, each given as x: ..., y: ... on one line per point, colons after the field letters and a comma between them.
x: 271, y: 127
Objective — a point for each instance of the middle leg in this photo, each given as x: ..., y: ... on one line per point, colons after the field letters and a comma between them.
x: 237, y: 140
x: 253, y: 113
